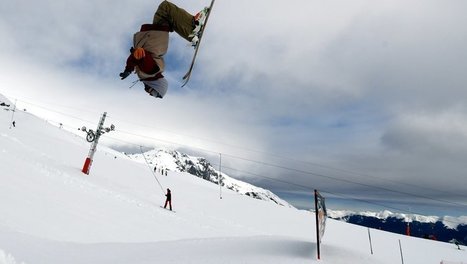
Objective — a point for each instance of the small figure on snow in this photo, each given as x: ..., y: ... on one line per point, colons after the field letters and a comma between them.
x: 457, y: 244
x: 150, y: 45
x: 168, y: 200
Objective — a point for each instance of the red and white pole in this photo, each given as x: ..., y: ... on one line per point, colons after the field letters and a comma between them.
x: 87, y: 165
x: 99, y: 132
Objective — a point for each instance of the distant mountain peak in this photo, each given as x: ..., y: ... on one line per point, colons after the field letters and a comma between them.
x: 173, y: 160
x: 448, y: 221
x: 445, y: 228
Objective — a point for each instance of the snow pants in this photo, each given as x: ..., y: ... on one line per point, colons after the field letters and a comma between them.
x: 169, y: 202
x: 180, y: 20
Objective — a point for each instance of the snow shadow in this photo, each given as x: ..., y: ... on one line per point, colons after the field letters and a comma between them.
x: 258, y: 249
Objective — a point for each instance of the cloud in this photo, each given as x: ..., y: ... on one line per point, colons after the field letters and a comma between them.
x: 429, y: 133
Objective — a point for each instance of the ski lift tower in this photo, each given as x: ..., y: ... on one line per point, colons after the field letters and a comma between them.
x: 93, y: 137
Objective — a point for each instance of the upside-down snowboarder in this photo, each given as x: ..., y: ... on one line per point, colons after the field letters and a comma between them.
x: 150, y: 44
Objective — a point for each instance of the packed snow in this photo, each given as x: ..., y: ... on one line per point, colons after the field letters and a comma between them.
x: 53, y: 213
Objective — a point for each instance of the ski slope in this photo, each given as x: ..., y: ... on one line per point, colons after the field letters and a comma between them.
x: 53, y: 213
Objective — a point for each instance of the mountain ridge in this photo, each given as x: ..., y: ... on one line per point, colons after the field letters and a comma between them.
x: 449, y: 221
x: 173, y: 160
x: 446, y: 229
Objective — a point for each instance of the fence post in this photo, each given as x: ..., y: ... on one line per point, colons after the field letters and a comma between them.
x: 369, y: 238
x: 402, y: 256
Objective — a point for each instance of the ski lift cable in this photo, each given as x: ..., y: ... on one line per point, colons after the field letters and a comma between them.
x: 365, y: 176
x: 283, y: 167
x: 41, y: 104
x: 152, y: 171
x: 310, y: 188
x: 347, y: 181
x: 329, y: 177
x: 305, y: 187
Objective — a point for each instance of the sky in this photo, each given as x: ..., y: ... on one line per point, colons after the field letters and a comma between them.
x: 364, y: 100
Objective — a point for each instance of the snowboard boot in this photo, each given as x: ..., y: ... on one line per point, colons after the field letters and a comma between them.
x: 198, y: 23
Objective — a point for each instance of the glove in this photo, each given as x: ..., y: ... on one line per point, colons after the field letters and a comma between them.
x: 124, y: 74
x: 139, y: 53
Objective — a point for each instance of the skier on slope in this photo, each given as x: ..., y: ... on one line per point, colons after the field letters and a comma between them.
x: 151, y: 43
x: 168, y: 200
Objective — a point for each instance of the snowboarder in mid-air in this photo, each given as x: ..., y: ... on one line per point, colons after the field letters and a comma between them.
x: 150, y: 44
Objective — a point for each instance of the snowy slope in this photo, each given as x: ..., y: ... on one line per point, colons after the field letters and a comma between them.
x: 172, y: 160
x: 50, y: 212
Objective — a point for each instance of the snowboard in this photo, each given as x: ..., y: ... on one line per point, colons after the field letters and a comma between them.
x: 167, y: 209
x: 187, y: 76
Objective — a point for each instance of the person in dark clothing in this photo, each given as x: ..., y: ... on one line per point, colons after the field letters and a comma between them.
x: 168, y: 200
